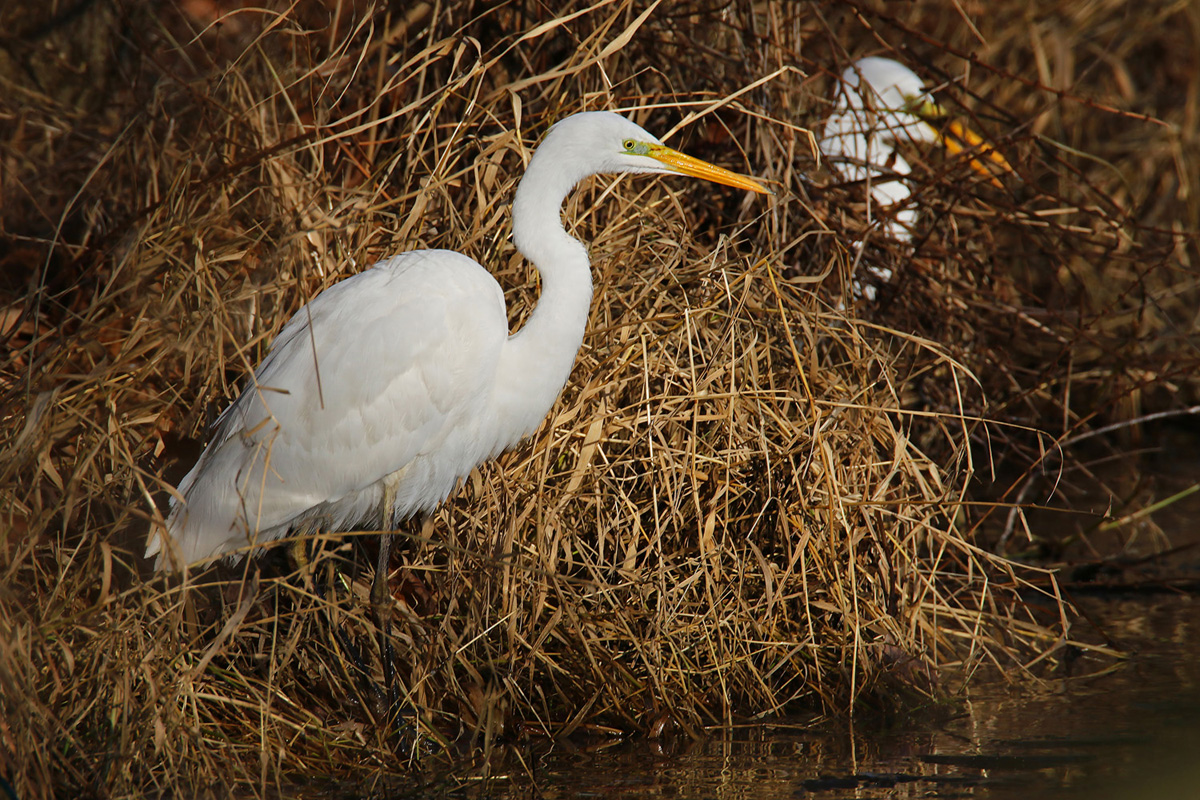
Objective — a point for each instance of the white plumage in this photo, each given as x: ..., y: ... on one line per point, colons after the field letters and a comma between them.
x: 878, y: 105
x: 419, y: 379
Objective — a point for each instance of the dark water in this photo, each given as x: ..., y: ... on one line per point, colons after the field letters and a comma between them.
x: 1132, y: 732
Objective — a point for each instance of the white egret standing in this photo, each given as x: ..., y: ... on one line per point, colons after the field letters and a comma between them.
x: 880, y: 104
x: 390, y: 386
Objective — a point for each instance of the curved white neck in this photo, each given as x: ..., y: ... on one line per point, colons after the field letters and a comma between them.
x: 537, y: 359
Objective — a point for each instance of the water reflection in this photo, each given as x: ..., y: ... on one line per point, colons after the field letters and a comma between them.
x: 1129, y: 733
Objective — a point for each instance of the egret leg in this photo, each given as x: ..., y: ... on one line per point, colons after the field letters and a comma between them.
x: 381, y: 601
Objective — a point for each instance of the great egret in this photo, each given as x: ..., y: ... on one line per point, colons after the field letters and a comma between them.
x: 390, y: 386
x: 881, y: 103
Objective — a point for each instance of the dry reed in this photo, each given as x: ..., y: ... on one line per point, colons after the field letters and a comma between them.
x: 747, y: 501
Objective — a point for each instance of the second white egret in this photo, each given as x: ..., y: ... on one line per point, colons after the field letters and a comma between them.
x: 880, y: 104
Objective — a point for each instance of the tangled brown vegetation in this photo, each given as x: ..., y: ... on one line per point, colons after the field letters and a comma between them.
x: 756, y: 493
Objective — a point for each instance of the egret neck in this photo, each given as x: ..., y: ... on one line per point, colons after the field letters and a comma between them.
x: 537, y: 359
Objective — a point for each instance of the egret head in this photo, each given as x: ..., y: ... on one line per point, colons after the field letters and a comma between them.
x: 586, y: 144
x: 602, y: 141
x: 894, y: 93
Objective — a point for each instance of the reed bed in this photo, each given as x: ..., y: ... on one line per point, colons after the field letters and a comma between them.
x: 758, y: 493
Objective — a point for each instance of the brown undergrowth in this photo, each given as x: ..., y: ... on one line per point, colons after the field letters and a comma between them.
x: 754, y: 496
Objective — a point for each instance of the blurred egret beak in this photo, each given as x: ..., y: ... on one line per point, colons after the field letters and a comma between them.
x: 958, y: 138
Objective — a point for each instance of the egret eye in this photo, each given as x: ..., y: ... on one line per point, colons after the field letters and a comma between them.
x: 629, y: 145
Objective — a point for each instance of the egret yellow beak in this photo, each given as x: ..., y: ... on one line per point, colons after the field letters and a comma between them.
x: 958, y: 138
x: 686, y: 165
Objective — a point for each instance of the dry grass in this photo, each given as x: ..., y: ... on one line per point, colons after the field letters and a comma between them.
x: 747, y: 502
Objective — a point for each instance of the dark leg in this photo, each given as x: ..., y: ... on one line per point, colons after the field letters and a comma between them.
x: 381, y: 601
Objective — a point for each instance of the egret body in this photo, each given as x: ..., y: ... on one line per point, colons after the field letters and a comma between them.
x: 876, y: 108
x: 390, y: 386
